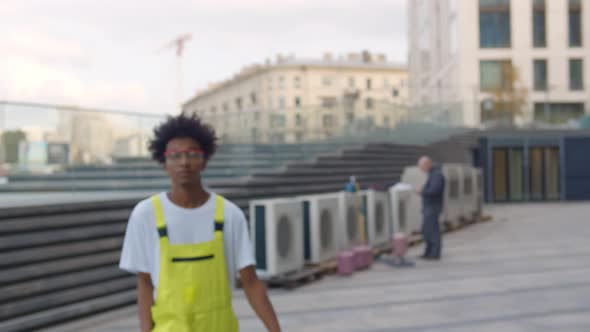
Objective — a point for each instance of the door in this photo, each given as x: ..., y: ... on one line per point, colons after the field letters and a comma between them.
x: 508, y: 174
x: 544, y: 170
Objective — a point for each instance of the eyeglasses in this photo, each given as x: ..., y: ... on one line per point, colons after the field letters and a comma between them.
x: 192, y: 155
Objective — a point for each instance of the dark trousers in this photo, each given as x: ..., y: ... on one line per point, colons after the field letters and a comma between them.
x: 431, y: 232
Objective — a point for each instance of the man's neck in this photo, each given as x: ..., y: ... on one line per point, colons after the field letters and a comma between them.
x: 188, y: 197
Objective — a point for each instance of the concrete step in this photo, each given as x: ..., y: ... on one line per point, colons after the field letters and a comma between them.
x: 59, y: 266
x: 58, y: 314
x: 71, y: 234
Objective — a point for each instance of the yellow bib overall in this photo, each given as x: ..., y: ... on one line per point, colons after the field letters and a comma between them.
x: 193, y: 293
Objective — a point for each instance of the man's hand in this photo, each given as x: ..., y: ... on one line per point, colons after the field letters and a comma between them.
x: 256, y: 293
x: 145, y: 300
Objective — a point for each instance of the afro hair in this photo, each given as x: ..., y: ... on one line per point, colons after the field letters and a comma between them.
x: 183, y: 126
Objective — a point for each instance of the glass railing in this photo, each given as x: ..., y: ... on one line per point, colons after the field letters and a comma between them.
x: 49, y: 148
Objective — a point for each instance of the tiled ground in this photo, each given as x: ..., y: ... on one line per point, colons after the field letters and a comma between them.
x: 527, y: 270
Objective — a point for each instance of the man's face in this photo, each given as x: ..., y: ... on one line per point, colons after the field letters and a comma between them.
x: 425, y: 165
x: 184, y: 161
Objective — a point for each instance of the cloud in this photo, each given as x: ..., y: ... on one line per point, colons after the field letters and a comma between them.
x: 43, y: 48
x: 102, y: 53
x: 27, y: 80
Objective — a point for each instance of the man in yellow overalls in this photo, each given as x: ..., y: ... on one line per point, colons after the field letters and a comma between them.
x: 187, y: 245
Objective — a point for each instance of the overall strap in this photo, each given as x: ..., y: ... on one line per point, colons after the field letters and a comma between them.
x: 219, y: 203
x: 159, y: 214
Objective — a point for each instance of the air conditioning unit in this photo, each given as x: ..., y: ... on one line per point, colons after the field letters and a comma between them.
x: 478, y: 190
x: 377, y: 214
x: 469, y: 192
x: 321, y: 227
x: 416, y: 178
x: 277, y: 235
x: 453, y: 197
x: 351, y: 207
x: 400, y: 196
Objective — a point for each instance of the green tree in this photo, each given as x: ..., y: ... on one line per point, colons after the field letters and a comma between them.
x: 509, y: 98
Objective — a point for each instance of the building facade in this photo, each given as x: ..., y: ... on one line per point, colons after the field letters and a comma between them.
x: 297, y: 100
x: 534, y: 165
x: 522, y: 61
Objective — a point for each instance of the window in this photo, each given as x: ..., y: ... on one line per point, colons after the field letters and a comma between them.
x: 369, y: 103
x: 225, y: 107
x: 385, y: 83
x: 270, y: 83
x: 386, y: 121
x: 557, y: 113
x: 270, y: 104
x: 575, y: 23
x: 540, y: 75
x: 351, y: 82
x: 297, y: 82
x: 494, y: 74
x: 239, y: 103
x: 539, y: 23
x: 298, y: 119
x: 369, y: 84
x: 213, y: 110
x: 281, y: 82
x: 253, y: 98
x: 297, y: 102
x: 328, y: 120
x: 326, y: 81
x: 494, y: 24
x: 282, y: 103
x: 329, y: 102
x: 500, y: 113
x: 395, y: 92
x: 576, y: 74
x: 278, y: 120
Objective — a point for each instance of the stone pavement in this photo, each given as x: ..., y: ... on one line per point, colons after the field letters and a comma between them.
x: 527, y: 270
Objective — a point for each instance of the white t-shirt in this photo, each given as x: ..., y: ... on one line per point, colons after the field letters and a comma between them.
x: 141, y: 247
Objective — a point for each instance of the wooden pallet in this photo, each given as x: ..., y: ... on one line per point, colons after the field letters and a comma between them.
x: 485, y: 218
x: 297, y: 279
x: 415, y: 239
x: 309, y: 273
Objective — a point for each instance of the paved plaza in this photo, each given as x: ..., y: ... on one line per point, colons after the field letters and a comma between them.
x: 526, y: 270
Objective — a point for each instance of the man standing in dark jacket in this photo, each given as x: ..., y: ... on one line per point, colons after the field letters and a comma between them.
x: 432, y: 205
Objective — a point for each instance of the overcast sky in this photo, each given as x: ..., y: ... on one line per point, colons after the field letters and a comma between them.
x: 105, y: 53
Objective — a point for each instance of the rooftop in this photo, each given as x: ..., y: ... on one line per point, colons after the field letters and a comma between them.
x: 363, y: 60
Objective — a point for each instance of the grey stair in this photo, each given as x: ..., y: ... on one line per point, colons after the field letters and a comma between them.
x: 60, y: 266
x: 53, y: 316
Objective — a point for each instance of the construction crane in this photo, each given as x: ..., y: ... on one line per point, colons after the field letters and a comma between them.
x: 178, y: 44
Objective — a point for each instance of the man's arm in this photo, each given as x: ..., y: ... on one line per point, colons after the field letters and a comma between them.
x: 145, y: 300
x: 258, y: 298
x: 435, y: 185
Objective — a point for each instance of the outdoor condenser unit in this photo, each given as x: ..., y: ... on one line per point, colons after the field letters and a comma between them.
x: 350, y: 207
x: 277, y: 235
x: 453, y: 197
x: 400, y: 196
x: 377, y: 214
x: 416, y: 178
x: 321, y: 227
